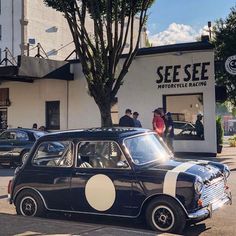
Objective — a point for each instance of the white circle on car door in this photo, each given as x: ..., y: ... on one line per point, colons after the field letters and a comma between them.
x: 100, y: 192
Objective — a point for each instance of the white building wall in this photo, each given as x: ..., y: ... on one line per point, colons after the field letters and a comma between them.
x: 10, y: 22
x: 28, y: 102
x: 44, y: 24
x: 49, y: 28
x: 140, y: 93
x: 83, y: 112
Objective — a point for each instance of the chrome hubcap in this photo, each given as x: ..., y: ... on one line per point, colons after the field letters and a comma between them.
x: 28, y: 206
x: 163, y: 218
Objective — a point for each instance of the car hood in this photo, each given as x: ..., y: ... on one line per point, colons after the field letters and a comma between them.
x: 207, y: 170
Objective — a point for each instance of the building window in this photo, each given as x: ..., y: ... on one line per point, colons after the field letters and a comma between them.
x: 4, y: 97
x: 187, y: 114
x: 53, y: 115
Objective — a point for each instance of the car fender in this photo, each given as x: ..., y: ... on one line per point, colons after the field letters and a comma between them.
x: 31, y: 189
x: 158, y: 195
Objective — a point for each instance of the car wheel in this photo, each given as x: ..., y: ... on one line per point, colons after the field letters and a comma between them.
x: 165, y: 215
x: 23, y: 156
x: 29, y: 203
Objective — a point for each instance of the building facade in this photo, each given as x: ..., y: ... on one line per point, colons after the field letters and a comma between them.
x: 25, y: 23
x: 179, y: 78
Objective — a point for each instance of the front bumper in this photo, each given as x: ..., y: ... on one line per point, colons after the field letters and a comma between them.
x: 207, y: 211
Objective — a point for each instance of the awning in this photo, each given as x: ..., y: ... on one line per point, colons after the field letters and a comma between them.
x: 29, y: 69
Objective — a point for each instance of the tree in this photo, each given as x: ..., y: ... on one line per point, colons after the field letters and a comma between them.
x: 224, y: 39
x: 100, y: 53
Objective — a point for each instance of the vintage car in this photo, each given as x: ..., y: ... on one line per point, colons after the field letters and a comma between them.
x: 122, y: 172
x: 15, y: 145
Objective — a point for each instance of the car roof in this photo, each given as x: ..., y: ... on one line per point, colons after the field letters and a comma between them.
x: 24, y: 129
x: 104, y: 133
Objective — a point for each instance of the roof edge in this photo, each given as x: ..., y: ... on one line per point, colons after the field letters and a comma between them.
x: 179, y: 47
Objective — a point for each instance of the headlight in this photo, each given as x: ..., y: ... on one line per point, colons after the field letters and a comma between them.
x: 198, y: 185
x: 226, y: 171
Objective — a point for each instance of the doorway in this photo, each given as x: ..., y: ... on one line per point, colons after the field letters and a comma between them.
x: 53, y: 115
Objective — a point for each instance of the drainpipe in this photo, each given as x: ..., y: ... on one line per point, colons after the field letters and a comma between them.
x: 67, y: 104
x: 24, y: 23
x: 12, y: 27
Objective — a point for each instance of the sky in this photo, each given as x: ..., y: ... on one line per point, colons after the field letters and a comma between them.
x: 178, y: 21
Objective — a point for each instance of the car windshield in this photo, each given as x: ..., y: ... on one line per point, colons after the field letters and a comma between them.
x: 147, y: 148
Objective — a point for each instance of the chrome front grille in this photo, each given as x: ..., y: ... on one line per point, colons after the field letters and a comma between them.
x: 213, y: 192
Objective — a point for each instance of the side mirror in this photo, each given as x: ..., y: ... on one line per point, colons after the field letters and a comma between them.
x: 122, y: 164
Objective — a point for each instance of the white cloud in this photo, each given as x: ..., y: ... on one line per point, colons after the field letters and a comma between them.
x: 175, y: 33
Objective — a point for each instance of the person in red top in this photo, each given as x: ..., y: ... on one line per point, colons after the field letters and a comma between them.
x: 158, y: 123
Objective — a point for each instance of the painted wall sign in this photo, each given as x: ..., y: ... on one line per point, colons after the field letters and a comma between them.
x: 180, y: 76
x: 230, y: 65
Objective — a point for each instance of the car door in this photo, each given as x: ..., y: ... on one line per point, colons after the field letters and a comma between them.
x: 21, y: 142
x: 7, y: 139
x: 50, y: 173
x: 102, y: 181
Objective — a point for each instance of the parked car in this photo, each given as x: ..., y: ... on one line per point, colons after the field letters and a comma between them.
x: 120, y: 172
x: 184, y: 130
x: 15, y: 145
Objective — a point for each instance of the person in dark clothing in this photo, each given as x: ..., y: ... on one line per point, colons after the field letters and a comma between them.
x: 137, y: 122
x: 127, y: 120
x: 35, y: 126
x: 169, y: 130
x: 199, y: 126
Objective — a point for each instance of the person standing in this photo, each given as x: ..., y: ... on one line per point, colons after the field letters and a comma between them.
x: 127, y: 120
x: 169, y: 130
x: 199, y: 126
x: 158, y: 123
x: 35, y: 126
x: 137, y: 123
x: 165, y: 121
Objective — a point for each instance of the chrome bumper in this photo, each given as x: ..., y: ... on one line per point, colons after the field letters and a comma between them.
x: 207, y: 211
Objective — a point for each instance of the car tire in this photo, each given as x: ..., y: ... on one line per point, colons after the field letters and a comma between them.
x: 165, y: 215
x: 28, y: 203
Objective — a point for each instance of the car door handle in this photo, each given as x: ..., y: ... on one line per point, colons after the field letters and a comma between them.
x: 82, y: 174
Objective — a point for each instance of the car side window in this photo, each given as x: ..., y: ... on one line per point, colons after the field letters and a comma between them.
x: 100, y: 154
x: 54, y: 154
x: 22, y: 136
x: 8, y: 135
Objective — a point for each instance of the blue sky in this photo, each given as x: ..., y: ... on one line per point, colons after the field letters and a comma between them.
x: 176, y: 21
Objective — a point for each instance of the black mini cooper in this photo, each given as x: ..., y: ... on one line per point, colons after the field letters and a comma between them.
x: 122, y: 172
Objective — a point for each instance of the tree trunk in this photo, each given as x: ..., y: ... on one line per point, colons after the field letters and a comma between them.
x: 105, y: 111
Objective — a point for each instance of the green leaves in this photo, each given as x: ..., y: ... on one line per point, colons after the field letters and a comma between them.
x: 225, y: 46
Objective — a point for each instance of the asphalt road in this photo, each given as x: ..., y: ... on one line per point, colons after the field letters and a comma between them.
x: 222, y: 223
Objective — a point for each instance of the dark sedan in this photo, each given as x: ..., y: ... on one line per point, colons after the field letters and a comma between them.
x: 15, y: 145
x: 120, y: 172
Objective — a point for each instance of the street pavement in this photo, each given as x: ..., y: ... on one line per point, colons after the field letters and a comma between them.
x: 222, y: 223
